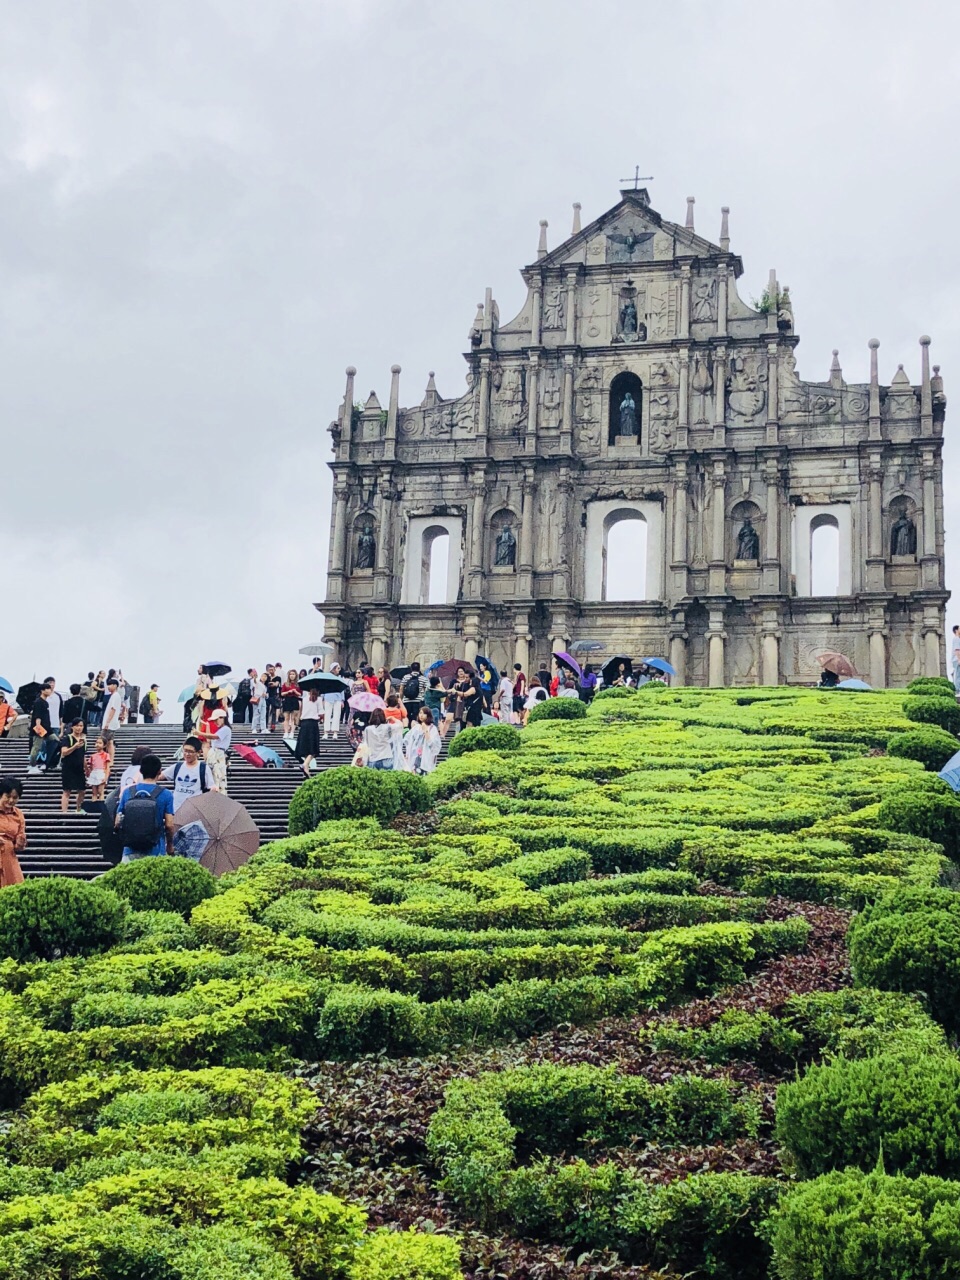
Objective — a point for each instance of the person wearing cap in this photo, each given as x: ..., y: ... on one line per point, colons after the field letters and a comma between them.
x: 216, y: 735
x: 111, y: 718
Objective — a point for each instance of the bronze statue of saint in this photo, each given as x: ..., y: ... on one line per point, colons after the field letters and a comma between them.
x: 628, y: 318
x: 748, y: 542
x: 903, y: 536
x: 629, y: 426
x: 366, y: 548
x: 506, y: 547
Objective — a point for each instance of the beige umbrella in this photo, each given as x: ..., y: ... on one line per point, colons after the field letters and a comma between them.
x: 215, y: 831
x: 838, y: 663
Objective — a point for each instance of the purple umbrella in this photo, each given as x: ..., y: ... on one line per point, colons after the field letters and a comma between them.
x: 571, y: 664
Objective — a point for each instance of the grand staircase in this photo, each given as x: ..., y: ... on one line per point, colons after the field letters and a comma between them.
x: 66, y: 844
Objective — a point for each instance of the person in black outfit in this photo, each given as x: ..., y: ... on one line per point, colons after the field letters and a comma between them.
x: 72, y: 773
x: 273, y: 682
x: 75, y: 707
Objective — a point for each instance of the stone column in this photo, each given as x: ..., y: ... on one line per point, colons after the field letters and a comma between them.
x: 722, y: 301
x: 536, y: 296
x: 685, y: 300
x: 561, y: 582
x: 525, y: 550
x: 773, y: 394
x: 715, y: 656
x: 878, y: 655
x: 390, y: 442
x: 683, y: 397
x: 770, y: 650
x: 720, y: 396
x: 680, y: 515
x: 873, y: 428
x: 926, y: 389
x: 377, y: 651
x: 770, y: 551
x: 678, y: 647
x: 346, y: 414
x: 521, y: 642
x: 338, y: 544
x: 571, y: 309
x: 929, y: 508
x: 475, y: 563
x: 566, y: 422
x: 471, y: 638
x: 484, y: 414
x: 931, y: 651
x: 533, y: 403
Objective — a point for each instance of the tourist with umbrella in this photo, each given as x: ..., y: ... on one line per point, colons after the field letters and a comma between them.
x: 308, y: 734
x: 616, y: 672
x: 331, y: 687
x: 587, y: 684
x: 215, y: 736
x: 216, y: 831
x: 13, y: 831
x: 488, y: 676
x: 469, y: 699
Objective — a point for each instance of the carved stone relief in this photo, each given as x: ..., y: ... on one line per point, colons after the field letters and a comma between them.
x: 554, y: 307
x: 705, y: 300
x: 507, y: 409
x: 662, y: 311
x: 746, y: 387
x: 702, y: 385
x: 551, y: 396
x: 587, y: 406
x: 630, y: 242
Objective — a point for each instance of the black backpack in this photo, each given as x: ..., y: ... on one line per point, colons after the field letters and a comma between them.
x: 411, y: 688
x: 145, y: 705
x: 244, y: 688
x: 140, y: 823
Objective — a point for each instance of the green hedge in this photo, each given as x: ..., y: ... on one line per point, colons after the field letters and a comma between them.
x: 161, y: 884
x: 934, y: 815
x: 53, y: 916
x: 487, y: 737
x: 934, y: 710
x: 850, y: 1112
x: 348, y: 792
x: 932, y: 686
x: 558, y: 709
x: 867, y: 1226
x: 933, y: 747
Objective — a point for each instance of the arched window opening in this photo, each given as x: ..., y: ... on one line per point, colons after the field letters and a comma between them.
x: 824, y: 556
x: 626, y: 409
x: 625, y: 557
x: 435, y: 565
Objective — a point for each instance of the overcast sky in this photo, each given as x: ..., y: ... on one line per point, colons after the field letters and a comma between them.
x: 208, y: 208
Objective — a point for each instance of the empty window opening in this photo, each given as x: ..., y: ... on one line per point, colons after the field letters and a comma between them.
x: 625, y: 558
x: 824, y: 556
x: 435, y: 566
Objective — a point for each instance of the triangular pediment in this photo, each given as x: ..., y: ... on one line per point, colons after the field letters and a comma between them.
x: 629, y: 232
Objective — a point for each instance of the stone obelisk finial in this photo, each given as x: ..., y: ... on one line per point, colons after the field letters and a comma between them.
x: 576, y: 220
x: 542, y: 246
x: 691, y: 201
x: 725, y: 228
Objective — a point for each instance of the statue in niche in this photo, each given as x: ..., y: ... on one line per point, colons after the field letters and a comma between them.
x: 630, y: 328
x: 506, y: 555
x: 702, y: 386
x: 748, y: 542
x: 903, y: 536
x: 366, y: 548
x: 705, y: 301
x: 937, y: 395
x: 629, y: 426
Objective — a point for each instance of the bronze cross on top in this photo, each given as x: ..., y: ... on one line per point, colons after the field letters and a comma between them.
x: 636, y: 179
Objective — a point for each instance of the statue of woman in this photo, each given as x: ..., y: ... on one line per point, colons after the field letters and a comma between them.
x: 506, y: 547
x: 629, y: 425
x: 903, y: 536
x: 748, y: 542
x: 628, y: 318
x: 366, y: 548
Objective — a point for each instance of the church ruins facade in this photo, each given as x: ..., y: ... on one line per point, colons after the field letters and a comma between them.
x: 638, y: 420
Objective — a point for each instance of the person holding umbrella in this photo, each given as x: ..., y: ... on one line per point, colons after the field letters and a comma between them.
x: 332, y: 707
x: 588, y: 684
x: 469, y: 699
x: 486, y: 678
x: 308, y: 735
x: 216, y: 736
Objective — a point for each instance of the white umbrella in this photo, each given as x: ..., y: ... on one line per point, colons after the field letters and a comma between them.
x: 316, y: 650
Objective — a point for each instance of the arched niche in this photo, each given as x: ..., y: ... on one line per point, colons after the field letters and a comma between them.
x: 363, y: 543
x: 740, y: 513
x: 823, y: 536
x: 606, y: 515
x: 507, y: 548
x: 624, y: 555
x: 624, y: 384
x: 900, y: 528
x: 428, y: 540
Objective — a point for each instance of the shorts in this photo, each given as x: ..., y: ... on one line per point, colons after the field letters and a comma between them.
x: 96, y: 778
x: 108, y: 735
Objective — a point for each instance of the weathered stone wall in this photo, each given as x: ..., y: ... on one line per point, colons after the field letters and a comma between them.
x: 636, y: 384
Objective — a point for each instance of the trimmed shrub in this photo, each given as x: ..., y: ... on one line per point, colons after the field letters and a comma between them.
x: 53, y: 917
x: 487, y: 737
x: 558, y: 709
x: 705, y: 1225
x: 406, y: 1255
x: 161, y: 884
x: 933, y: 747
x: 910, y: 941
x: 861, y: 1023
x: 932, y: 686
x: 856, y: 1226
x: 933, y: 815
x: 933, y: 710
x: 347, y: 792
x: 618, y: 691
x: 848, y: 1113
x: 475, y: 769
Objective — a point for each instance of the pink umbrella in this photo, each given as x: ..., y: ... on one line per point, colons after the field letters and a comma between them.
x: 367, y: 702
x: 249, y: 754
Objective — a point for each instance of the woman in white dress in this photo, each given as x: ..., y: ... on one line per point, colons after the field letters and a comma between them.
x: 421, y: 746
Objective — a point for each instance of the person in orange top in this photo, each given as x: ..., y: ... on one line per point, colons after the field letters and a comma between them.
x: 7, y: 715
x: 395, y: 711
x: 13, y: 832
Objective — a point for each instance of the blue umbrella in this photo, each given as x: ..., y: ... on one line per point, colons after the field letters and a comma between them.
x: 269, y: 756
x: 950, y: 772
x: 433, y: 665
x: 187, y: 693
x: 5, y: 685
x: 661, y: 664
x: 860, y: 686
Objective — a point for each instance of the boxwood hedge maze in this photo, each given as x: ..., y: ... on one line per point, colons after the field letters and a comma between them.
x: 667, y: 987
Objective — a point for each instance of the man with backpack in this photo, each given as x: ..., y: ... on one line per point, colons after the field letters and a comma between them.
x: 190, y: 776
x: 145, y: 814
x: 413, y: 690
x: 241, y: 704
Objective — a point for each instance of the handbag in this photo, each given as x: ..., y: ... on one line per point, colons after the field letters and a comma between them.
x: 361, y: 755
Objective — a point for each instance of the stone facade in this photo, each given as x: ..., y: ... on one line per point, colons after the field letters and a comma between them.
x: 635, y: 384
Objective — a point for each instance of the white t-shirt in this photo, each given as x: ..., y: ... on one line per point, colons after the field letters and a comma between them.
x: 311, y: 710
x: 187, y: 782
x: 114, y: 704
x: 55, y: 707
x: 258, y: 690
x: 223, y: 737
x: 130, y: 776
